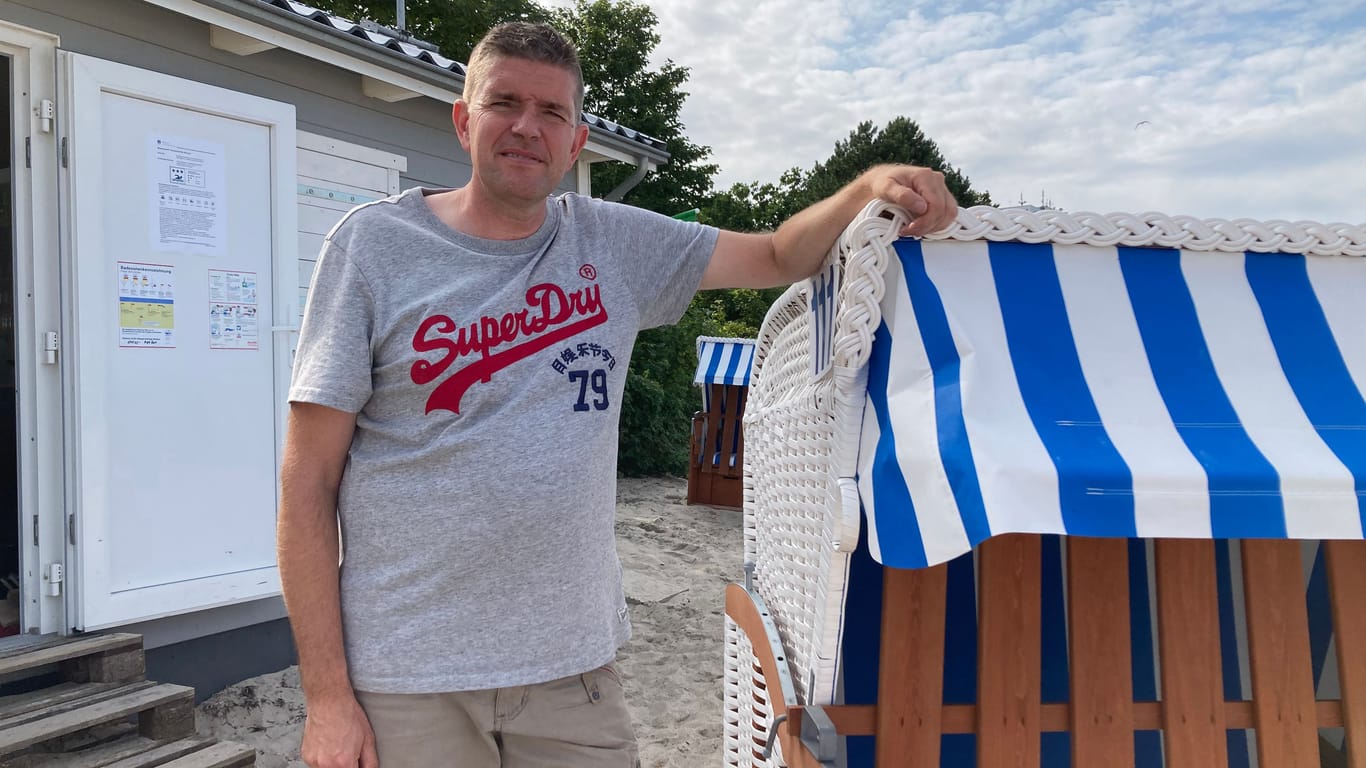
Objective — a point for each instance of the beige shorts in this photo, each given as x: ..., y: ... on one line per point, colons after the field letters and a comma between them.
x: 579, y: 721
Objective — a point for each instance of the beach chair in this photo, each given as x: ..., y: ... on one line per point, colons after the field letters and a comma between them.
x: 716, y: 444
x: 1056, y: 489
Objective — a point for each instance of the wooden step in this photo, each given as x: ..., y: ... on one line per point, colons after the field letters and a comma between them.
x: 115, y: 657
x: 164, y: 712
x: 140, y: 752
x: 224, y: 754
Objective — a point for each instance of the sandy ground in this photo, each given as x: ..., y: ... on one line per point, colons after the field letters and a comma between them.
x: 677, y: 561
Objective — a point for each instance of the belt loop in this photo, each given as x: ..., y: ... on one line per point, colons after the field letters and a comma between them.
x: 590, y: 686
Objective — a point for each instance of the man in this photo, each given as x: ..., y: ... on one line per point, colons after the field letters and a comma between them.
x: 455, y: 400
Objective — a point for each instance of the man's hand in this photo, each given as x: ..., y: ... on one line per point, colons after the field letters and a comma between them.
x: 921, y: 191
x: 799, y: 246
x: 337, y: 734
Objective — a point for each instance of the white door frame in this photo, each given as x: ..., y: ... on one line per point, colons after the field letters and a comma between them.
x: 37, y: 292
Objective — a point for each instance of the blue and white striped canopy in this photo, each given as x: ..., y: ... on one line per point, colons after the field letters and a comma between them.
x: 1107, y: 391
x: 724, y: 361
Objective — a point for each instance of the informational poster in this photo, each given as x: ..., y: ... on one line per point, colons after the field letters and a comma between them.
x: 146, y: 305
x: 232, y: 310
x: 189, y: 193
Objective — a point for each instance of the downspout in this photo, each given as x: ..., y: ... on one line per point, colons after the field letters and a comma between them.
x: 642, y: 168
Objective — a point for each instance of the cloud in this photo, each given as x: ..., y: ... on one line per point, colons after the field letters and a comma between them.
x: 1222, y: 108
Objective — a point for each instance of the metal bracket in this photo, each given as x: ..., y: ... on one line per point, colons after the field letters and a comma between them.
x: 772, y: 736
x: 819, y: 736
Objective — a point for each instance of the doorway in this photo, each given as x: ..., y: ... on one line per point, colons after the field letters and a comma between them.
x: 9, y: 422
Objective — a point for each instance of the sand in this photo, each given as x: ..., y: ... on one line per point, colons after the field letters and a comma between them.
x: 677, y: 561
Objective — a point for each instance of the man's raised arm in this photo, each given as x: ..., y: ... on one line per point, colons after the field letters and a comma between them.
x: 799, y: 246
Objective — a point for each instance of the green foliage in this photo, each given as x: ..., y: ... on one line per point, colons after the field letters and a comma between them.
x: 901, y: 141
x: 615, y: 41
x: 756, y: 207
x: 454, y: 26
x: 761, y: 207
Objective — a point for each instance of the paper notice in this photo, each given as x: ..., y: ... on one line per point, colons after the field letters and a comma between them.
x: 189, y: 194
x: 232, y: 310
x: 146, y: 305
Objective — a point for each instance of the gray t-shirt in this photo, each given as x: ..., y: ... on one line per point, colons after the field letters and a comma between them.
x: 478, y: 502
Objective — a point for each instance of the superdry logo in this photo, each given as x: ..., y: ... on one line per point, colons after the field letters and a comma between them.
x: 551, y: 316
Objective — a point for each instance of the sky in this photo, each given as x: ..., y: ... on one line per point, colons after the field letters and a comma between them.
x: 1209, y: 108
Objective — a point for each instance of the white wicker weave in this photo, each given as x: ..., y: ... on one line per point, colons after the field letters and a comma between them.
x: 1155, y: 229
x: 801, y: 451
x: 790, y: 525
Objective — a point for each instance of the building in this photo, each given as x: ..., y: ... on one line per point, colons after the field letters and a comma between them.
x: 171, y: 169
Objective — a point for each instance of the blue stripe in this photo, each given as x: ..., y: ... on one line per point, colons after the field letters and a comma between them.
x: 897, y: 529
x: 713, y: 353
x: 860, y: 641
x: 1228, y: 647
x: 1055, y: 747
x: 1320, y: 613
x: 831, y: 275
x: 954, y: 447
x: 141, y: 300
x: 817, y: 321
x: 1147, y: 744
x: 1244, y: 488
x: 1311, y: 359
x: 959, y: 750
x: 1095, y: 486
x: 819, y: 318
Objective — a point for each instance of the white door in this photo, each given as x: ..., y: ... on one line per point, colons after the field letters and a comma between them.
x: 32, y: 176
x: 182, y: 261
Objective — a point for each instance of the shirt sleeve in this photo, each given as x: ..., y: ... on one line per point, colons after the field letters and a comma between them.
x: 664, y: 260
x: 333, y: 358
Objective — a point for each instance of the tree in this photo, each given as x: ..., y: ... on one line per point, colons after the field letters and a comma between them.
x: 615, y: 41
x: 901, y: 141
x: 453, y: 26
x: 762, y: 207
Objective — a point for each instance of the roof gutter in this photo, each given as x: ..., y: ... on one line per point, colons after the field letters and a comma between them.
x: 386, y: 74
x: 643, y: 167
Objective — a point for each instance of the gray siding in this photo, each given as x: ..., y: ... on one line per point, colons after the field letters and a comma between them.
x: 327, y: 99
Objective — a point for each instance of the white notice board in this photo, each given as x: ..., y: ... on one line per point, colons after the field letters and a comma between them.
x: 183, y: 224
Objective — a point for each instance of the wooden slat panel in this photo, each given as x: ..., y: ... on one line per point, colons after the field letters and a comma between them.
x: 911, y: 670
x: 1278, y: 653
x: 1188, y: 641
x: 1101, y: 668
x: 220, y: 755
x: 1346, y: 577
x: 860, y: 719
x: 34, y: 655
x: 730, y: 424
x: 17, y: 736
x: 1008, y: 664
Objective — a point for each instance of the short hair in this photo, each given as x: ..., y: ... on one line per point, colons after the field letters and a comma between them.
x: 540, y: 43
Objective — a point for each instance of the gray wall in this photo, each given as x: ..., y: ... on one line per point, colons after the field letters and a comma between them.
x: 328, y: 100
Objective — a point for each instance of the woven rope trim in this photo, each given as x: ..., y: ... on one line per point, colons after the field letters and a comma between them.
x: 985, y: 222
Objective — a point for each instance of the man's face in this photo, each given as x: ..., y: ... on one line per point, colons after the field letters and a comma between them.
x: 521, y: 130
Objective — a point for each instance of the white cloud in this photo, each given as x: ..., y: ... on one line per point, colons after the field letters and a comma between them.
x: 1227, y: 108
